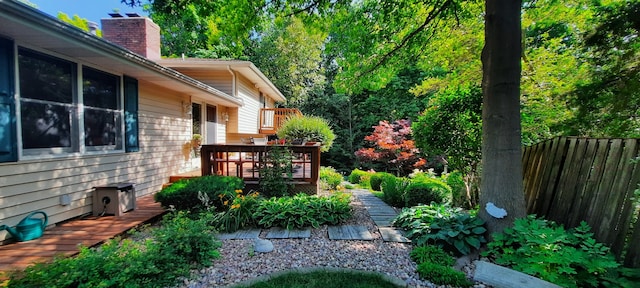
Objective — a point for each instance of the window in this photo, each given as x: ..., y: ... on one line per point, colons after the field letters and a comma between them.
x: 50, y: 119
x: 47, y: 101
x: 102, y: 114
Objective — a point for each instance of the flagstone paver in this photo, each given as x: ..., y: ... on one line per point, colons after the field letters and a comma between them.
x: 393, y: 235
x: 349, y: 232
x: 240, y: 234
x: 281, y: 233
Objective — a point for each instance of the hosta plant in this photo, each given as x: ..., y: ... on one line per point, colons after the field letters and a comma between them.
x: 303, y: 210
x: 460, y: 233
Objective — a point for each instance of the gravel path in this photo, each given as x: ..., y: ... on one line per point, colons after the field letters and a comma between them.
x: 239, y: 262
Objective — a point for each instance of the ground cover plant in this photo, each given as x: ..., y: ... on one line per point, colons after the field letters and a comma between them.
x: 303, y: 210
x: 324, y: 279
x: 570, y: 258
x: 435, y: 265
x: 450, y: 228
x: 172, y: 250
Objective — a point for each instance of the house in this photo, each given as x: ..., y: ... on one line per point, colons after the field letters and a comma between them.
x: 78, y: 111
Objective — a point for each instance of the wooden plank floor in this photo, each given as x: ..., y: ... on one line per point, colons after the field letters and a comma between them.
x: 65, y: 237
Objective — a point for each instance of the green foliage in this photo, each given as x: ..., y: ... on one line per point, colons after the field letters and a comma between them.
x: 425, y: 191
x: 183, y: 195
x: 570, y: 258
x: 276, y: 172
x: 303, y: 210
x: 240, y: 213
x: 458, y: 187
x: 331, y: 177
x: 179, y: 245
x: 76, y: 21
x: 418, y: 216
x: 431, y: 254
x: 443, y: 275
x: 394, y: 190
x: 459, y: 233
x: 358, y: 176
x: 324, y: 279
x: 441, y: 225
x: 376, y: 180
x: 308, y: 128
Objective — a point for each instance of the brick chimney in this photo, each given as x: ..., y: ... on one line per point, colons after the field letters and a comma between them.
x: 138, y: 34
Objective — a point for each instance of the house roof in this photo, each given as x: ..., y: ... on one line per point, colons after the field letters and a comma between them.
x: 34, y: 29
x: 245, y: 68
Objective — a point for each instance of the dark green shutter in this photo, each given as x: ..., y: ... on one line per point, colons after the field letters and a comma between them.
x: 8, y: 137
x: 131, y: 141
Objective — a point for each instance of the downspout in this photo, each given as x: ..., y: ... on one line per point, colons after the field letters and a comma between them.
x: 234, y: 91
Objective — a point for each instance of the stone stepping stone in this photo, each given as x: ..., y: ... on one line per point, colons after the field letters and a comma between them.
x: 393, y: 235
x: 349, y: 232
x: 281, y: 233
x: 240, y: 234
x: 499, y: 277
x: 379, y: 211
x: 382, y: 221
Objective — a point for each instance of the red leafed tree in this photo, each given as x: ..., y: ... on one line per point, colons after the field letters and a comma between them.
x: 392, y: 148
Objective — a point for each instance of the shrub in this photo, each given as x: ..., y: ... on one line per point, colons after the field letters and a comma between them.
x: 331, y: 177
x: 183, y: 195
x: 570, y: 258
x: 239, y: 214
x: 431, y: 254
x: 276, y: 173
x: 423, y: 215
x: 179, y: 245
x: 458, y: 188
x: 376, y: 180
x: 303, y: 210
x: 308, y: 128
x: 357, y: 176
x: 393, y: 190
x: 443, y: 275
x: 425, y: 191
x: 460, y: 233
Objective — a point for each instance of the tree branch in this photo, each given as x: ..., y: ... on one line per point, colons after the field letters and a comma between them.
x: 430, y: 18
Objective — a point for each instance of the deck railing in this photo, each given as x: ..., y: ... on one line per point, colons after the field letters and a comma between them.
x: 272, y: 118
x: 245, y: 160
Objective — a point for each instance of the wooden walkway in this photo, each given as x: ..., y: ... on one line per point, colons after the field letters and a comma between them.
x: 64, y: 238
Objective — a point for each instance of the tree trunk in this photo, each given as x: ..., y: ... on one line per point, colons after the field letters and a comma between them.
x: 501, y: 181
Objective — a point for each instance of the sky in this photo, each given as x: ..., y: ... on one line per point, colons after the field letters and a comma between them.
x: 93, y: 10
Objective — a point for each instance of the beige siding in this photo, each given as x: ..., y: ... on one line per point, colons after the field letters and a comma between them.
x: 221, y: 80
x: 33, y: 185
x: 248, y: 115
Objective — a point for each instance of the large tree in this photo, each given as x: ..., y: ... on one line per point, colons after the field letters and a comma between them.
x: 501, y: 182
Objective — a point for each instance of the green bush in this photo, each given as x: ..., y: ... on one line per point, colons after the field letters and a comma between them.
x: 331, y: 177
x: 276, y: 173
x: 423, y: 215
x: 393, y: 190
x: 239, y: 214
x: 179, y: 245
x: 376, y: 180
x: 425, y: 191
x: 308, y: 128
x: 303, y: 210
x: 569, y: 258
x: 357, y: 176
x: 460, y: 233
x: 443, y: 275
x: 214, y: 190
x: 431, y: 254
x: 458, y: 188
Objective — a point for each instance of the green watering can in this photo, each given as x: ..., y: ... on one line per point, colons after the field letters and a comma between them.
x: 29, y: 228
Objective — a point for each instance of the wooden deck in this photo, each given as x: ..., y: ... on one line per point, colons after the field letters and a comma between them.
x: 64, y: 238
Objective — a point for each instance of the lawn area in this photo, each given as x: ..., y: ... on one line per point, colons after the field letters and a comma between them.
x: 323, y: 279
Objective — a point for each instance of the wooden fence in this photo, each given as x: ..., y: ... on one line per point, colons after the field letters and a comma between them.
x: 570, y: 179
